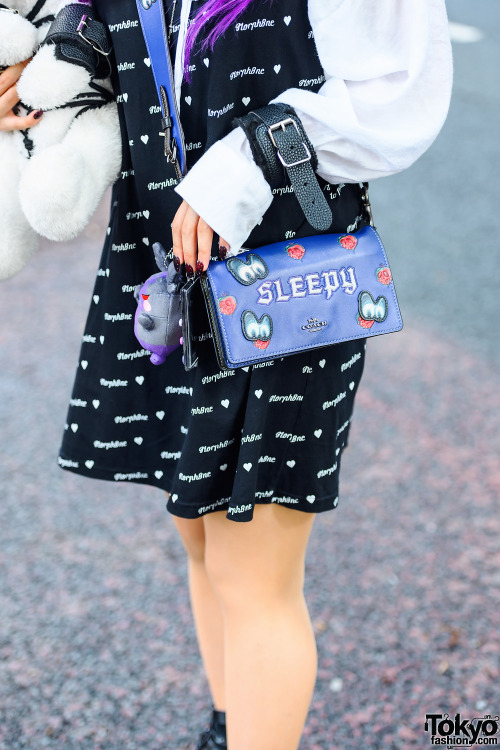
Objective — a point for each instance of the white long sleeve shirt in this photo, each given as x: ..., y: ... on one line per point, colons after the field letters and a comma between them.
x: 388, y: 70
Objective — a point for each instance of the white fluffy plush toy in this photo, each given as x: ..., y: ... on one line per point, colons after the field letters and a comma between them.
x: 53, y: 175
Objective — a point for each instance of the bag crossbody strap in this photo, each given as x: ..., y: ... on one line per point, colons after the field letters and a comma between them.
x: 152, y: 18
x: 279, y: 142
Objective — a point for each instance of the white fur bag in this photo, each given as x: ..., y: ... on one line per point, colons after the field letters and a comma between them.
x: 53, y: 175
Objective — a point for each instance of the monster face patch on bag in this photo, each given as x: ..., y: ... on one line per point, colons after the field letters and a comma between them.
x: 371, y: 309
x: 247, y: 272
x: 259, y: 331
x: 289, y: 297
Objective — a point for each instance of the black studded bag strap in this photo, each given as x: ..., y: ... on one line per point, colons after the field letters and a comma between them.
x: 280, y: 145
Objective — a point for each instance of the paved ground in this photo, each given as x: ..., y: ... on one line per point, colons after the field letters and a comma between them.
x: 97, y: 645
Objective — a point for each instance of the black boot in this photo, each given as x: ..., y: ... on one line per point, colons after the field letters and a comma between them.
x: 214, y: 738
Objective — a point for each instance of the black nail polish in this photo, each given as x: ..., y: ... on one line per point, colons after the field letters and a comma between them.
x: 38, y: 114
x: 199, y: 268
x: 189, y: 270
x: 177, y: 263
x: 222, y: 252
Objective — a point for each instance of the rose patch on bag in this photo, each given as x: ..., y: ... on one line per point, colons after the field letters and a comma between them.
x: 348, y: 241
x: 227, y: 304
x: 384, y: 275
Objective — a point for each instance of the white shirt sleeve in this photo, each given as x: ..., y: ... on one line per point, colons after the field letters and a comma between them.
x: 388, y: 76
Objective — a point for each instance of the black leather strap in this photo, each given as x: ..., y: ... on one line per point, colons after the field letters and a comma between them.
x: 281, y: 148
x: 81, y: 38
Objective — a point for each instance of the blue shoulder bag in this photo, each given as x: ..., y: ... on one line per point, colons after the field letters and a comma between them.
x: 290, y: 296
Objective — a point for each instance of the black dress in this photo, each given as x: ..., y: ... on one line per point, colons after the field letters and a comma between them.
x: 215, y: 440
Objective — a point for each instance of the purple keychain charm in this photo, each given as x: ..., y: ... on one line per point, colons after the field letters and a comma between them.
x: 158, y: 323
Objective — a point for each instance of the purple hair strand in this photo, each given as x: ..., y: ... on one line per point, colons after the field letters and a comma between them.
x: 223, y: 13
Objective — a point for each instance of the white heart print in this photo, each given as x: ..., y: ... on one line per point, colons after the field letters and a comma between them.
x: 139, y: 379
x: 258, y: 392
x: 311, y: 498
x: 96, y: 403
x: 145, y: 240
x: 145, y: 138
x: 246, y: 100
x: 147, y: 62
x: 188, y: 100
x: 322, y: 362
x: 160, y: 414
x: 287, y: 20
x: 247, y: 466
x: 125, y: 97
x: 101, y: 339
x: 89, y: 464
x: 223, y: 467
x: 277, y: 68
x: 74, y: 427
x: 158, y: 474
x: 351, y: 385
x: 318, y: 433
x: 225, y: 402
x: 146, y: 214
x: 96, y: 298
x: 290, y: 463
x: 138, y: 440
x: 206, y: 61
x: 84, y: 364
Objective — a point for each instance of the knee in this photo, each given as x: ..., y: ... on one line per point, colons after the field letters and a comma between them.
x: 249, y: 587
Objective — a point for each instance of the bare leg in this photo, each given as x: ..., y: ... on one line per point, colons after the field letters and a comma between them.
x: 207, y: 612
x: 257, y: 569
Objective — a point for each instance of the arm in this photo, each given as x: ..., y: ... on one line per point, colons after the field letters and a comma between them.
x: 388, y: 83
x: 388, y: 76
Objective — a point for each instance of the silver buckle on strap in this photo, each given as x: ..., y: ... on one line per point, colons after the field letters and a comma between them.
x: 281, y: 126
x: 79, y: 30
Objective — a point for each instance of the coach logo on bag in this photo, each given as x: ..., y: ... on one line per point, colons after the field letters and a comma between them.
x: 313, y: 324
x: 256, y: 329
x: 247, y: 272
x: 370, y: 309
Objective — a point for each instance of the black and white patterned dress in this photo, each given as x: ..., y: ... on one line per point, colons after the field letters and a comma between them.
x: 216, y: 440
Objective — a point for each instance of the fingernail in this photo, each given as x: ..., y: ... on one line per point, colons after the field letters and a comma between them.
x: 38, y: 114
x: 223, y: 252
x: 199, y: 268
x: 189, y: 270
x: 177, y: 263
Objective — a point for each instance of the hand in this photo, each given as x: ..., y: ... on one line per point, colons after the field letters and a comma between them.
x: 9, y: 98
x: 192, y: 240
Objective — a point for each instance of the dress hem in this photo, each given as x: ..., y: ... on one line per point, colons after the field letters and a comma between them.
x: 182, y: 510
x: 137, y: 476
x: 187, y: 511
